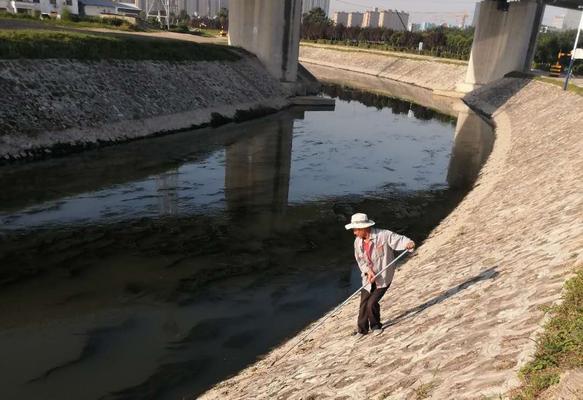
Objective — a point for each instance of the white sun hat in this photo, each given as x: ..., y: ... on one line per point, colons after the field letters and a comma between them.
x: 359, y: 220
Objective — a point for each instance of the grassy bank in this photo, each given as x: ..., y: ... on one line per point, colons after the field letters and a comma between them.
x: 74, y: 21
x: 40, y: 44
x: 571, y: 88
x: 209, y: 33
x: 559, y: 347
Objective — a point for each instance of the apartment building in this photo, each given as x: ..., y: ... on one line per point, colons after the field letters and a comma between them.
x: 354, y: 19
x: 395, y: 20
x: 340, y: 18
x: 371, y: 19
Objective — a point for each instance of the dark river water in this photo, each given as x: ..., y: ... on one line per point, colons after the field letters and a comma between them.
x: 154, y: 269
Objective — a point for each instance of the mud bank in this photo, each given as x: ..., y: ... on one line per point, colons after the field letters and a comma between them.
x: 462, y: 314
x: 52, y: 106
x: 436, y: 74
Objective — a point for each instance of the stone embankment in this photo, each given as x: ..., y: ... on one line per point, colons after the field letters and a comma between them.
x: 431, y: 73
x: 52, y: 105
x: 463, y: 313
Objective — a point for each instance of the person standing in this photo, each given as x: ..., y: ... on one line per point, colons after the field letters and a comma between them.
x: 373, y: 250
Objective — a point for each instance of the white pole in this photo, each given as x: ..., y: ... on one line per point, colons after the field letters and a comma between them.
x: 573, y: 53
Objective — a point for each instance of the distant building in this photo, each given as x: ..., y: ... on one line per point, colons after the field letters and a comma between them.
x: 557, y: 22
x: 371, y: 19
x: 109, y: 9
x: 354, y: 19
x: 340, y: 18
x: 571, y: 20
x: 428, y: 25
x: 415, y: 27
x: 423, y: 26
x: 192, y: 7
x: 200, y: 8
x: 395, y: 20
x: 308, y: 5
x: 546, y: 28
x: 46, y: 7
x: 216, y: 5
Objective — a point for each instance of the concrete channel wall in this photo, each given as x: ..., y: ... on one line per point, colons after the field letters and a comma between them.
x: 463, y: 313
x: 48, y: 105
x: 436, y: 74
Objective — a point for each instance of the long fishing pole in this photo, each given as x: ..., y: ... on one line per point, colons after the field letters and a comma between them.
x: 336, y: 309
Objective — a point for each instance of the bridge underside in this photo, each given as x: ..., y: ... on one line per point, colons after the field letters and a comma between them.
x: 504, y: 39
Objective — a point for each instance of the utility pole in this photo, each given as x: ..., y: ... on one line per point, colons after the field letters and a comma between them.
x: 573, y: 55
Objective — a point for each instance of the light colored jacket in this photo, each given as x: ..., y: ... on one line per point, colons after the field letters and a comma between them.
x: 383, y: 242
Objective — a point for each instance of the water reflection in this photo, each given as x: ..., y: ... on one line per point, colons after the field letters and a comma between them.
x: 167, y: 186
x: 472, y: 146
x: 382, y: 101
x: 257, y: 173
x: 157, y: 268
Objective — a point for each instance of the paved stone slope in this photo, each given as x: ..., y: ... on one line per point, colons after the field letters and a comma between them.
x: 50, y: 102
x: 419, y: 71
x: 462, y: 313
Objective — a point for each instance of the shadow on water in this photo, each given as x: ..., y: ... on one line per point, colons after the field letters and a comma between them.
x: 157, y: 268
x: 95, y: 339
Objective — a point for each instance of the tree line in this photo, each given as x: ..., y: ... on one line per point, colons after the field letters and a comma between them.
x: 440, y: 41
x: 549, y: 45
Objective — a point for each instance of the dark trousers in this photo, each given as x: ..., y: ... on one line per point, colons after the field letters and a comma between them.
x: 369, y: 314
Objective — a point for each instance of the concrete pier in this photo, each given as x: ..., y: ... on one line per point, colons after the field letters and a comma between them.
x: 504, y: 41
x: 270, y: 30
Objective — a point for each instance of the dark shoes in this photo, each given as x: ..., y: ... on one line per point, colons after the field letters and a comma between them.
x: 358, y: 335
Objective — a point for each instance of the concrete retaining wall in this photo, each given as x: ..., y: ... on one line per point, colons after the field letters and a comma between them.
x: 426, y: 72
x: 48, y: 103
x: 462, y: 315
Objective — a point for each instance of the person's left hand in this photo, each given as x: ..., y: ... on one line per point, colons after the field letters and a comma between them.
x: 410, y: 246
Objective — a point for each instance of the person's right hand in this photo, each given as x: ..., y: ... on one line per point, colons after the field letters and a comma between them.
x: 370, y: 276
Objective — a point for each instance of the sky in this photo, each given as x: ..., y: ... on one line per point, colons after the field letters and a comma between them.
x: 437, y: 11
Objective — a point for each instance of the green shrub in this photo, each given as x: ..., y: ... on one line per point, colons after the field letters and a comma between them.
x: 67, y: 15
x: 180, y: 28
x: 578, y: 68
x: 4, y: 14
x: 559, y: 347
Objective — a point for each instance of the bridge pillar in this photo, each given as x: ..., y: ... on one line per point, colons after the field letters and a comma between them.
x: 504, y: 40
x: 271, y: 30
